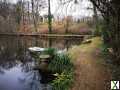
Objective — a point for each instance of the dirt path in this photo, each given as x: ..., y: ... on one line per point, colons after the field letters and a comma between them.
x: 90, y: 72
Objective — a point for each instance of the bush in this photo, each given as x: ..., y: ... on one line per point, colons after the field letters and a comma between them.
x: 114, y: 68
x: 63, y: 81
x: 61, y: 65
x: 104, y: 49
x: 50, y: 51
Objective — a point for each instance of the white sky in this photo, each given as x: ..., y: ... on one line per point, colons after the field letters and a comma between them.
x: 78, y: 11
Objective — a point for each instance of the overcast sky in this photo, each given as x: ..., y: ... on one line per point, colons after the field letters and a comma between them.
x: 77, y: 10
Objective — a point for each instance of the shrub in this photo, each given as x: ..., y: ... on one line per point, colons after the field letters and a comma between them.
x: 104, y: 49
x: 63, y: 81
x: 59, y: 63
x: 50, y: 51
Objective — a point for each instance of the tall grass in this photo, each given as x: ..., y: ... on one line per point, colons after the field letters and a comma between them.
x: 50, y: 51
x: 61, y: 65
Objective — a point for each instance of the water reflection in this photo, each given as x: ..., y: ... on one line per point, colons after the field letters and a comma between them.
x: 16, y: 63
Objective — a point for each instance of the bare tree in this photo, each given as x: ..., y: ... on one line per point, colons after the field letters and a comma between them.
x: 7, y: 21
x: 36, y: 7
x: 33, y: 14
x: 49, y: 17
x: 110, y: 10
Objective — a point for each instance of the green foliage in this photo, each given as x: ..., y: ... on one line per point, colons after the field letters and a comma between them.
x: 50, y: 51
x: 104, y: 49
x: 63, y: 81
x: 59, y: 63
x: 62, y: 66
x: 115, y: 69
x: 111, y: 31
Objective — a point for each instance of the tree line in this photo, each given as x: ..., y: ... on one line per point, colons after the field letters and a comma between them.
x: 13, y: 15
x: 110, y: 10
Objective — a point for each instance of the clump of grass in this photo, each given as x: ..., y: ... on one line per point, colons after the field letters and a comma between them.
x: 50, y: 51
x: 61, y: 65
x: 63, y: 81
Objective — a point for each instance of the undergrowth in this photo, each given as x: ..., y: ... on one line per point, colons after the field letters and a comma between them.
x: 109, y: 60
x: 62, y: 66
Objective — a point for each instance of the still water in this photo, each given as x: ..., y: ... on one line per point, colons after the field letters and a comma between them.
x: 16, y: 63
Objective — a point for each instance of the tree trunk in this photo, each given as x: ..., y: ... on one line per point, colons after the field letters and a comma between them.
x: 33, y: 14
x: 49, y: 18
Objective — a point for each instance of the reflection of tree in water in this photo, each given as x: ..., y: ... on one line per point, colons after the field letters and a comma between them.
x: 13, y: 50
x: 31, y: 79
x: 13, y: 53
x: 34, y: 79
x: 23, y: 59
x: 62, y: 43
x: 6, y: 59
x: 1, y: 71
x: 72, y: 41
x: 9, y: 59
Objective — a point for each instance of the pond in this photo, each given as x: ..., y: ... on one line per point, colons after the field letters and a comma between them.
x: 16, y: 63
